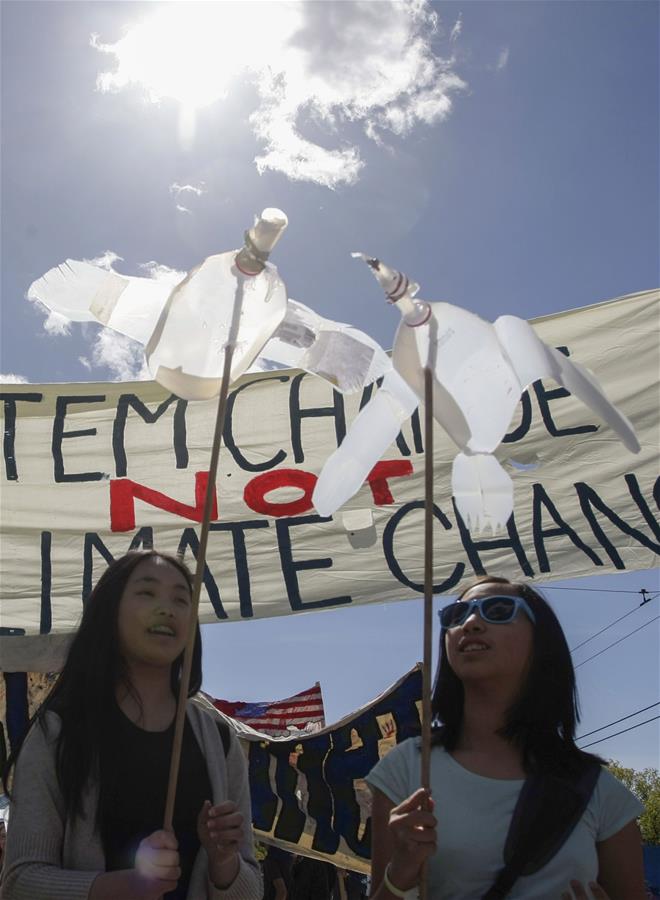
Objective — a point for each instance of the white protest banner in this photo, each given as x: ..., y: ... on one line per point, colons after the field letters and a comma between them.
x: 91, y: 470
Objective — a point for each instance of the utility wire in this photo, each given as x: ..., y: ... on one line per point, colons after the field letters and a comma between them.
x: 616, y: 733
x: 550, y: 587
x: 620, y: 619
x: 616, y: 721
x: 614, y: 643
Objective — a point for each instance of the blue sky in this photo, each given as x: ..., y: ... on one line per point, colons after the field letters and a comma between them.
x: 506, y: 160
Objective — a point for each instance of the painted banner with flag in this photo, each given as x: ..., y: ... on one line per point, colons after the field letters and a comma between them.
x: 279, y: 718
x: 308, y: 791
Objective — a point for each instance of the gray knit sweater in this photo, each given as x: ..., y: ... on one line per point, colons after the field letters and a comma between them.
x: 51, y: 857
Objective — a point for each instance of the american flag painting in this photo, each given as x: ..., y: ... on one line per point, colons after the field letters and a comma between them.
x: 277, y: 718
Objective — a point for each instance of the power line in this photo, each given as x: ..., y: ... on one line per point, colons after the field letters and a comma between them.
x: 614, y: 643
x: 617, y: 733
x: 620, y: 619
x: 616, y: 721
x: 550, y: 587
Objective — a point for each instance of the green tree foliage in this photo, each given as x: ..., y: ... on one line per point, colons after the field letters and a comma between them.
x: 646, y: 786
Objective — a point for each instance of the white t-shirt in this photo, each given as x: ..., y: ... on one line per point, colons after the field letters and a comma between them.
x: 473, y: 816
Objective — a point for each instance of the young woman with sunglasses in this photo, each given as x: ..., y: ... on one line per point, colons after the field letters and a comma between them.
x: 90, y: 778
x: 504, y: 707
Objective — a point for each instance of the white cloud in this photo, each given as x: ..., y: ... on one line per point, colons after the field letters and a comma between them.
x: 299, y: 159
x: 160, y: 272
x: 186, y: 189
x: 178, y: 189
x: 502, y: 59
x: 12, y: 378
x: 106, y: 260
x: 121, y: 355
x: 330, y: 64
x: 457, y: 29
x: 55, y: 324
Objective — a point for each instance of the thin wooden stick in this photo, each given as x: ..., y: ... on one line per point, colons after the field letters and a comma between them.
x: 428, y: 600
x: 184, y: 683
x: 250, y: 261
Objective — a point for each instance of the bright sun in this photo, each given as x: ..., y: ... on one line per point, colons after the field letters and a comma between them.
x: 191, y: 52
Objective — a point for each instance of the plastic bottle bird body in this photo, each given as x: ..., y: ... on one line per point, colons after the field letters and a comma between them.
x: 186, y: 351
x: 235, y: 296
x: 480, y: 369
x: 186, y: 322
x: 459, y: 347
x: 475, y: 393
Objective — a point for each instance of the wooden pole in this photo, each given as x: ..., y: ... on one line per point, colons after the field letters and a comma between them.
x: 259, y: 241
x: 201, y: 563
x: 428, y: 599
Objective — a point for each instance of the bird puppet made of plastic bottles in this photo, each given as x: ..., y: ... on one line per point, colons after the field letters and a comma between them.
x: 480, y: 369
x: 185, y: 326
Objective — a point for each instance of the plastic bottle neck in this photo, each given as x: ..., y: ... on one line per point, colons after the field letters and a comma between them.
x: 413, y: 312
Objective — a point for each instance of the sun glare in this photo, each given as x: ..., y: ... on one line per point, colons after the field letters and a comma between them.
x: 192, y: 52
x: 371, y: 64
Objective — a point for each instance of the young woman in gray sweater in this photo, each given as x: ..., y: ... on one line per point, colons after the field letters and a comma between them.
x: 90, y: 777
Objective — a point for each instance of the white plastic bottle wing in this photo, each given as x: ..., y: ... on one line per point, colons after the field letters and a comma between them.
x: 84, y: 292
x: 369, y: 436
x: 533, y: 359
x: 576, y: 379
x: 340, y: 354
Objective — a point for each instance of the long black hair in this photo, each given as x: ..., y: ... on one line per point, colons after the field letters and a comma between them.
x: 84, y: 692
x: 543, y: 717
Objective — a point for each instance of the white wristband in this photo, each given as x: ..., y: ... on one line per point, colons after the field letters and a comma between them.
x: 395, y: 891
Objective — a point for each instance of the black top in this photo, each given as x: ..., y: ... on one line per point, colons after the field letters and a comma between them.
x: 277, y: 864
x: 313, y: 879
x: 134, y: 775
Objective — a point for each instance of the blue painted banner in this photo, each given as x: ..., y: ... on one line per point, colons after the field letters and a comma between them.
x: 308, y: 792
